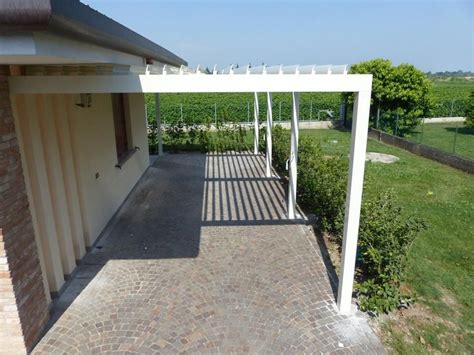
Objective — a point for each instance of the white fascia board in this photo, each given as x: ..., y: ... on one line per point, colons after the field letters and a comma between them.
x: 45, y: 48
x: 17, y: 44
x: 189, y: 83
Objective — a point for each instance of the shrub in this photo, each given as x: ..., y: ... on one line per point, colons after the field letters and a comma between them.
x: 184, y: 137
x: 322, y: 182
x: 470, y: 111
x: 281, y: 148
x: 385, y: 238
x: 385, y: 233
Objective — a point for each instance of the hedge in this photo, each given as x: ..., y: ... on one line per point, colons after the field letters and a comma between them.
x: 385, y: 234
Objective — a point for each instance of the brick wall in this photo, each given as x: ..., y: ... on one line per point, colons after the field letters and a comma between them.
x: 23, y: 305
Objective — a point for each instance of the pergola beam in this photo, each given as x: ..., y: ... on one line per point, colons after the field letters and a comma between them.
x: 197, y: 83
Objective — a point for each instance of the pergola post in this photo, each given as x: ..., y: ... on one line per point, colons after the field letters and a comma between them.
x: 269, y: 135
x: 360, y: 123
x: 293, y: 156
x: 256, y: 124
x: 159, y: 138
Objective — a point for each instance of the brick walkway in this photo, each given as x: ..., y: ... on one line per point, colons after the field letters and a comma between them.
x: 202, y: 259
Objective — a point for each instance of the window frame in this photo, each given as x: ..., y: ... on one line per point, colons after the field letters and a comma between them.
x: 122, y: 128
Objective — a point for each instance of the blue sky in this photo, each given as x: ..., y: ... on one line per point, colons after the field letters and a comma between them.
x: 433, y: 35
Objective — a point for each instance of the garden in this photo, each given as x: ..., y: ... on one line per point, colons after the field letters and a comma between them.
x: 414, y: 263
x: 415, y: 249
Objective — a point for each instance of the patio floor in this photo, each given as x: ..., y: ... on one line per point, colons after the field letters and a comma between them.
x: 201, y: 258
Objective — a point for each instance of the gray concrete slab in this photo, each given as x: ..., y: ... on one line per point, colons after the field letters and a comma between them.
x: 202, y: 259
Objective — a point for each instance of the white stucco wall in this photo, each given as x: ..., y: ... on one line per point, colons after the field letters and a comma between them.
x: 94, y: 146
x: 63, y: 147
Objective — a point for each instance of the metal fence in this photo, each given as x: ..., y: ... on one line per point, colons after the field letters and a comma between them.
x: 449, y: 135
x: 244, y: 113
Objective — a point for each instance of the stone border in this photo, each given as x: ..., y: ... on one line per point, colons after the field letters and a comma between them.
x: 463, y: 164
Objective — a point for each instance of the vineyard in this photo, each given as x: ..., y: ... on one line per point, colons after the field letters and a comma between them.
x: 207, y: 108
x: 449, y: 99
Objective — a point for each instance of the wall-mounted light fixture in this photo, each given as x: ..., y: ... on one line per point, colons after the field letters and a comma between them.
x: 85, y: 100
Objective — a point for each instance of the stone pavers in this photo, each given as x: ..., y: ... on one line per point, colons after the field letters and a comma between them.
x: 201, y: 258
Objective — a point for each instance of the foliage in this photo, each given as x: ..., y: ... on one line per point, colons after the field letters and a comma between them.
x: 280, y: 148
x: 323, y: 183
x: 199, y: 108
x: 402, y: 93
x: 385, y: 238
x: 193, y: 108
x: 470, y: 111
x: 451, y: 98
x: 185, y: 137
x: 385, y: 233
x: 322, y: 179
x: 439, y: 263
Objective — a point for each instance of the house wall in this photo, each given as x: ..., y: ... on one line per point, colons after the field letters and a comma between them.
x: 74, y: 188
x: 94, y: 148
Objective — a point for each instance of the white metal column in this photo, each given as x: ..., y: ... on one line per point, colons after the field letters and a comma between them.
x: 360, y: 123
x: 159, y: 138
x: 293, y: 161
x: 256, y: 124
x: 269, y: 135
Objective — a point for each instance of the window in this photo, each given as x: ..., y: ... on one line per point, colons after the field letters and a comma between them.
x: 122, y: 127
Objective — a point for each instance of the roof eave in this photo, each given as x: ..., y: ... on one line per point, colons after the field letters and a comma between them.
x: 73, y: 19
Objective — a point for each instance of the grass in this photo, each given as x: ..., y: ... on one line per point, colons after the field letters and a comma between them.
x: 443, y: 136
x: 440, y: 265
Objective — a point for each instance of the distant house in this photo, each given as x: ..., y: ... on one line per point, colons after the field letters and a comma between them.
x: 67, y: 162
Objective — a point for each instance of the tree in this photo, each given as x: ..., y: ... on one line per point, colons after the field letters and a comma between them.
x: 470, y: 111
x: 401, y: 95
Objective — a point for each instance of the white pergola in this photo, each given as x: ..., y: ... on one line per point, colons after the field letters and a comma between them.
x: 262, y: 79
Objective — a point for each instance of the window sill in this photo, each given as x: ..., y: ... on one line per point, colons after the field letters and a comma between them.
x: 126, y: 157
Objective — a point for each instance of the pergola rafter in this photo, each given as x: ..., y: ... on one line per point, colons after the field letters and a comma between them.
x: 260, y: 79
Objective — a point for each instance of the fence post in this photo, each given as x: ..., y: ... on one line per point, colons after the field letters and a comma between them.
x: 422, y: 130
x: 396, y: 127
x: 378, y: 117
x: 181, y: 110
x: 452, y: 107
x: 215, y: 115
x: 279, y: 111
x: 248, y: 112
x: 311, y: 110
x: 455, y: 137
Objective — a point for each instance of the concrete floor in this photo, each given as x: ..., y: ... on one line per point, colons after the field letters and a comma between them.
x: 201, y: 258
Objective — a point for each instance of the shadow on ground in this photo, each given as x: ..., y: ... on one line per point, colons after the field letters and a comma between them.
x: 201, y: 257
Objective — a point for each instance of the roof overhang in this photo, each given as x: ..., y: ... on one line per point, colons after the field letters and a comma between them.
x: 48, y: 49
x: 79, y: 22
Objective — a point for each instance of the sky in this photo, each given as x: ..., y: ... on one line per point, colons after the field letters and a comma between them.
x: 431, y: 34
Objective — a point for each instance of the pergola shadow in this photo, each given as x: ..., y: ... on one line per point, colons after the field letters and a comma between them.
x: 237, y: 192
x: 178, y: 197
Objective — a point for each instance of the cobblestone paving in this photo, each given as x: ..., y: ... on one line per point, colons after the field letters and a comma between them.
x: 201, y: 259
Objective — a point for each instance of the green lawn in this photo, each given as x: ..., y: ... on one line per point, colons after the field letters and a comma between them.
x: 441, y: 266
x: 443, y: 136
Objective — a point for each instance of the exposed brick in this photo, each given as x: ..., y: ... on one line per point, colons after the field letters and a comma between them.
x: 23, y: 305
